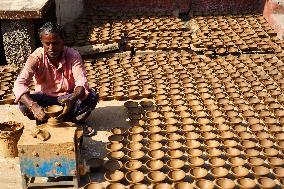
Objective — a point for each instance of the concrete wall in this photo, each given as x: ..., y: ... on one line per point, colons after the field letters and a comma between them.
x: 274, y: 13
x: 68, y: 10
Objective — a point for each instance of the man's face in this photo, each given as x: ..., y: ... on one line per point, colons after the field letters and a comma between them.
x: 52, y: 44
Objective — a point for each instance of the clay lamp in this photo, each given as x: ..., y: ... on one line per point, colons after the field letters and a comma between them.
x: 245, y: 135
x: 262, y: 135
x: 93, y: 185
x: 152, y: 115
x: 135, y: 130
x: 219, y: 120
x: 233, y: 152
x: 190, y: 144
x: 173, y: 136
x: 187, y: 121
x: 240, y: 128
x: 227, y: 135
x: 248, y: 113
x: 138, y: 186
x: 118, y: 130
x: 133, y: 164
x: 281, y: 144
x: 114, y: 147
x: 204, y: 184
x: 230, y: 143
x: 154, y: 122
x: 155, y: 137
x: 183, y: 185
x: 275, y: 161
x: 206, y: 128
x: 184, y: 114
x: 270, y: 152
x: 181, y: 108
x: 279, y: 112
x: 266, y: 143
x: 115, y: 186
x: 255, y: 161
x: 116, y: 138
x: 175, y: 164
x: 204, y: 121
x: 135, y: 138
x: 156, y: 176
x: 134, y: 176
x: 225, y: 183
x: 114, y: 176
x: 162, y: 186
x: 212, y: 144
x: 168, y: 115
x: 213, y: 152
x: 187, y: 128
x: 198, y: 172
x: 176, y: 175
x: 239, y: 171
x: 174, y: 154
x: 218, y: 172
x: 260, y: 171
x: 279, y: 136
x: 154, y: 165
x: 154, y: 129
x: 156, y: 154
x: 248, y: 144
x: 246, y: 183
x: 278, y: 172
x: 222, y: 127
x: 171, y: 128
x: 208, y: 135
x: 266, y: 183
x: 196, y: 161
x: 217, y: 162
x: 173, y: 145
x: 236, y: 161
x: 136, y: 154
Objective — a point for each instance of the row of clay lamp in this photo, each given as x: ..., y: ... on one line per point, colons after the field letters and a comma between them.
x: 151, y: 74
x: 173, y: 166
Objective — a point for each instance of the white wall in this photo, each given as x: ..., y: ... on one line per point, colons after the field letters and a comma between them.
x: 68, y: 10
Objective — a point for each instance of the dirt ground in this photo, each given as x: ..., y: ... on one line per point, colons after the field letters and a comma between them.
x: 107, y: 115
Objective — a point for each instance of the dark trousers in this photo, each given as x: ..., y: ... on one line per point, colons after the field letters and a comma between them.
x: 77, y: 113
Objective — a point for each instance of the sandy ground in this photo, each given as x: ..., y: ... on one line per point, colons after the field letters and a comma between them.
x: 107, y: 115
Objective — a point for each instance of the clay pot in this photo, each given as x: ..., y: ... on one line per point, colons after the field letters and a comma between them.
x: 236, y: 161
x: 152, y: 115
x: 183, y: 185
x: 114, y: 147
x: 225, y: 183
x: 239, y: 171
x: 217, y: 162
x: 162, y: 186
x: 175, y: 164
x: 266, y: 183
x: 226, y: 135
x: 278, y: 172
x: 260, y: 171
x: 93, y: 185
x: 196, y: 161
x: 135, y: 138
x: 174, y: 154
x: 176, y: 175
x: 173, y: 136
x: 205, y: 184
x: 156, y: 176
x: 135, y: 130
x: 133, y: 164
x: 230, y: 143
x: 154, y: 145
x: 171, y: 128
x: 192, y: 144
x: 114, y: 176
x: 173, y: 145
x: 134, y: 146
x: 255, y: 161
x: 154, y: 165
x: 156, y: 154
x: 212, y: 144
x: 154, y: 122
x: 248, y: 144
x: 246, y: 183
x: 134, y: 176
x: 115, y: 186
x: 198, y: 172
x: 270, y: 152
x: 136, y: 154
x: 116, y: 155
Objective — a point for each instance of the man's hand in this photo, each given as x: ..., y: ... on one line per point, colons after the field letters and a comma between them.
x: 38, y: 112
x: 68, y: 103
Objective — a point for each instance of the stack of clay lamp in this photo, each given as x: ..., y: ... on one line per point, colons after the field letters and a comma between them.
x: 213, y: 123
x: 236, y: 34
x: 7, y: 77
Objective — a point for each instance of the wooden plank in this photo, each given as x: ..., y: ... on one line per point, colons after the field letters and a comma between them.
x: 23, y: 9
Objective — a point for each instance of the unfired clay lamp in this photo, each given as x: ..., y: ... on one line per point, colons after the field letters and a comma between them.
x: 53, y: 112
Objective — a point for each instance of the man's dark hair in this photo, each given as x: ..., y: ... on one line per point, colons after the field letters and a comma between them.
x: 51, y: 27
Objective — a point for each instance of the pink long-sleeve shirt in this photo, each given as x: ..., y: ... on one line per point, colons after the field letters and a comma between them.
x: 47, y: 78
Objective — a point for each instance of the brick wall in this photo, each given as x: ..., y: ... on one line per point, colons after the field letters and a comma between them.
x: 139, y: 5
